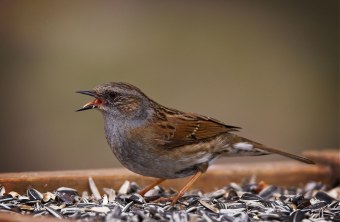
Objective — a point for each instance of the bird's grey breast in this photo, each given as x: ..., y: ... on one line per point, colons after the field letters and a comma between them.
x: 130, y: 150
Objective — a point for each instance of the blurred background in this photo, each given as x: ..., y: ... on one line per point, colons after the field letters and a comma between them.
x: 270, y: 67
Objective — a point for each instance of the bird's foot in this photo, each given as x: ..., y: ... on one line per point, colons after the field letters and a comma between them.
x: 172, y: 199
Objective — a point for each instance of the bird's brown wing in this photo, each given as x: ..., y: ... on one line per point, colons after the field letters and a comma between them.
x: 177, y: 129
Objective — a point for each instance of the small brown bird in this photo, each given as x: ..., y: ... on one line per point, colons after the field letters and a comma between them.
x: 156, y: 141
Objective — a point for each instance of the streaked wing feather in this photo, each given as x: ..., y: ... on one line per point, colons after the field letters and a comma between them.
x: 188, y: 128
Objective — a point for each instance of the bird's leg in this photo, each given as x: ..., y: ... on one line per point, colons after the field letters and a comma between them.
x: 186, y: 187
x: 174, y: 199
x: 146, y: 189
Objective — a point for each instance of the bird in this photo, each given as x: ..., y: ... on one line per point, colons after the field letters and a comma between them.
x: 161, y: 142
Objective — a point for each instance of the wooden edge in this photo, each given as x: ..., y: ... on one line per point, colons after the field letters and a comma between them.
x: 285, y: 173
x: 14, y: 217
x: 326, y: 157
x: 330, y: 158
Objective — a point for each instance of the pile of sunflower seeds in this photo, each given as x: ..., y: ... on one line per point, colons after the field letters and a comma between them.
x: 236, y: 202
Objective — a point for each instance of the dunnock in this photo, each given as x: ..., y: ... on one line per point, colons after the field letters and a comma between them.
x: 157, y: 141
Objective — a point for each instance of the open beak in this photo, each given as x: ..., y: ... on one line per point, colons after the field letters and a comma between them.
x: 90, y: 105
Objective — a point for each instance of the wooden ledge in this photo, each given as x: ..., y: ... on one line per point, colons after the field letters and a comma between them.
x: 285, y: 173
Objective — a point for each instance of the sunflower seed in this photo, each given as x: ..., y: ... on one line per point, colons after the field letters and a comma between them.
x: 217, y: 194
x: 316, y: 206
x: 232, y: 195
x: 4, y: 206
x: 155, y: 192
x: 94, y: 189
x: 125, y: 188
x: 268, y: 192
x: 33, y: 194
x: 105, y: 200
x: 100, y: 209
x: 48, y: 196
x: 13, y: 194
x: 208, y: 206
x: 2, y: 190
x: 127, y: 206
x: 137, y: 198
x: 322, y: 196
x: 85, y: 195
x: 53, y: 212
x: 26, y: 207
x: 250, y: 197
x: 111, y: 194
x: 66, y: 194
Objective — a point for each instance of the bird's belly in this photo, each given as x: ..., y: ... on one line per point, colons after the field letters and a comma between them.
x: 165, y: 165
x: 138, y: 156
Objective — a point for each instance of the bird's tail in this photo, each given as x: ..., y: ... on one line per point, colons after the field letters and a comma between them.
x: 286, y: 154
x: 243, y: 143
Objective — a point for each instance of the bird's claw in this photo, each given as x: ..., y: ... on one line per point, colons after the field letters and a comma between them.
x: 172, y: 199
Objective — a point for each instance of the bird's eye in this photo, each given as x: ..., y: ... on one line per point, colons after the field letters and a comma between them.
x: 113, y: 95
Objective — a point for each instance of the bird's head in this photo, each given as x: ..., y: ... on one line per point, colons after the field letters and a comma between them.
x: 119, y: 101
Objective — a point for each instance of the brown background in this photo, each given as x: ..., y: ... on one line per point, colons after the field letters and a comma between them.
x: 271, y: 67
